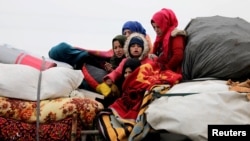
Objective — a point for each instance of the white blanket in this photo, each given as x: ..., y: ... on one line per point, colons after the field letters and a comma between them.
x: 190, y: 115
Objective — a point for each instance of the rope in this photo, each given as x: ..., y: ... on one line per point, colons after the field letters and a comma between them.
x: 158, y: 95
x: 38, y: 98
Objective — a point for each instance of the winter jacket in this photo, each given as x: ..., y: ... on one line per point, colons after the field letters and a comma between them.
x: 169, y: 47
x: 117, y: 73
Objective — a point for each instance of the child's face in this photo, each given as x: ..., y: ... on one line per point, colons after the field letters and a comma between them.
x: 127, y: 72
x: 135, y: 50
x: 118, y: 49
x: 127, y: 32
x: 157, y: 29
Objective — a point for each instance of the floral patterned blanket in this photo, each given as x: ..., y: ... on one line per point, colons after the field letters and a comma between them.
x: 50, y: 110
x: 18, y: 118
x: 14, y: 130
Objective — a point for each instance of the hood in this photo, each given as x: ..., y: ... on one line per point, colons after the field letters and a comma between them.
x: 165, y: 19
x: 134, y: 26
x: 120, y: 38
x: 146, y: 46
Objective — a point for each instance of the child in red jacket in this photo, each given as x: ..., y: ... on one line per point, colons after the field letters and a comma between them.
x: 169, y: 43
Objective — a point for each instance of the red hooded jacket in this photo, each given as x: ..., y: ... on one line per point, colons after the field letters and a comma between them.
x: 168, y: 48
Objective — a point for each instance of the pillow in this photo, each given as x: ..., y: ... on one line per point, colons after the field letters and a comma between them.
x: 21, y: 81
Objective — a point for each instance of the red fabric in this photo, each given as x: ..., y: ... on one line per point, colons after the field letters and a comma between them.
x: 89, y: 78
x: 33, y: 61
x: 172, y: 53
x: 117, y: 73
x: 176, y: 54
x: 13, y: 130
x: 99, y: 53
x: 136, y: 84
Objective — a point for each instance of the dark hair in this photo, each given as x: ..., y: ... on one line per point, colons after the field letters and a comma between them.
x: 120, y: 38
x: 132, y: 63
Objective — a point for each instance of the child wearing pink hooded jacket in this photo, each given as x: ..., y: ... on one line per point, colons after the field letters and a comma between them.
x: 136, y: 46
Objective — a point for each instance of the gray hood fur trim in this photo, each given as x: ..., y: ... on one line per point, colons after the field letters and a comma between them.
x: 146, y: 47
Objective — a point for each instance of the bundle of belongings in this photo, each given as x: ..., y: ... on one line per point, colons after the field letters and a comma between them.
x: 39, y: 100
x: 215, y: 82
x: 216, y: 71
x: 217, y: 50
x: 217, y: 47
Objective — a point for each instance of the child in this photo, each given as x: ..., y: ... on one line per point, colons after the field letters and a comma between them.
x: 170, y: 42
x: 117, y: 46
x: 130, y: 65
x: 130, y: 27
x: 136, y: 46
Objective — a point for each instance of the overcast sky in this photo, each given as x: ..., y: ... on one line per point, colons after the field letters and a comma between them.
x: 36, y: 26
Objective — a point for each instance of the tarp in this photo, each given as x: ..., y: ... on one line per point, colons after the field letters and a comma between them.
x: 217, y: 47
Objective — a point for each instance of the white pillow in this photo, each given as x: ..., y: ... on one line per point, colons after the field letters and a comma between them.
x: 21, y: 81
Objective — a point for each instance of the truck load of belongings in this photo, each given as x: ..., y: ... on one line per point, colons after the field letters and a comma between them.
x: 217, y: 47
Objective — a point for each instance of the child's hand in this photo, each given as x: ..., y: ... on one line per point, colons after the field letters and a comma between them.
x: 152, y: 56
x: 108, y: 67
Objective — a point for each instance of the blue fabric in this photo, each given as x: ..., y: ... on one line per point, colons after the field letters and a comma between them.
x: 66, y: 53
x: 134, y: 26
x: 136, y: 40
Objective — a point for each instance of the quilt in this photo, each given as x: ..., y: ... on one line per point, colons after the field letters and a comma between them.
x: 18, y: 118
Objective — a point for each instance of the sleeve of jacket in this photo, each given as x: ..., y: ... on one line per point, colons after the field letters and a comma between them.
x: 116, y: 73
x: 178, y: 45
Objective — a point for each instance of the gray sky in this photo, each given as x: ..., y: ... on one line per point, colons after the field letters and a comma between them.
x: 36, y: 26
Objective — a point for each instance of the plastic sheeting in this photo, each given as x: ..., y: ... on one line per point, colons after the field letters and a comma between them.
x: 217, y: 47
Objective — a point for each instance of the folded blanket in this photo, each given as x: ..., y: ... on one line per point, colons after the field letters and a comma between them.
x: 50, y: 110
